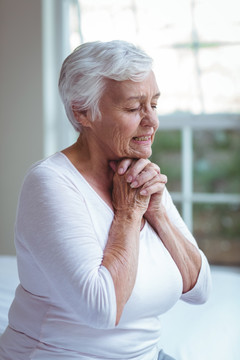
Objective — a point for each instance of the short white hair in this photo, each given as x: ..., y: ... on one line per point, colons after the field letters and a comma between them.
x: 85, y: 71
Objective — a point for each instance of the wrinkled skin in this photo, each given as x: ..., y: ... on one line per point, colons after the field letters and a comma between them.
x: 138, y: 183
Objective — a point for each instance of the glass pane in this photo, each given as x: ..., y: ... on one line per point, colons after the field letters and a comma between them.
x: 178, y: 81
x: 217, y: 161
x: 178, y: 206
x: 167, y: 154
x: 194, y: 72
x: 144, y: 20
x: 104, y: 19
x: 219, y: 69
x: 217, y: 231
x: 217, y: 20
x: 74, y: 26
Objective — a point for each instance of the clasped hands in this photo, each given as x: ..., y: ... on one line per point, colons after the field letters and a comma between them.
x: 138, y: 185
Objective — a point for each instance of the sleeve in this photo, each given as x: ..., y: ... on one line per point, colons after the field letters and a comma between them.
x: 201, y: 291
x: 54, y: 225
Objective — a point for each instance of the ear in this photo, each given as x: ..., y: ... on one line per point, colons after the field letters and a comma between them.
x: 83, y: 117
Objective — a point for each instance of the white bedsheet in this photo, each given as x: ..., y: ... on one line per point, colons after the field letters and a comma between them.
x: 210, y: 331
x: 204, y: 332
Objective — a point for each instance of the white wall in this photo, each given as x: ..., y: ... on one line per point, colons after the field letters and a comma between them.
x: 21, y: 104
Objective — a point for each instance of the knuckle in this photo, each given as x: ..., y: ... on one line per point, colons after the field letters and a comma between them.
x: 125, y: 163
x: 163, y: 178
x: 157, y: 168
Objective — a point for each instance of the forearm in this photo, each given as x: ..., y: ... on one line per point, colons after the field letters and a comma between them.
x: 184, y: 253
x: 121, y: 256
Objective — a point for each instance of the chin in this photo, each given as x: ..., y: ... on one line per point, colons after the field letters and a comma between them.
x: 143, y: 155
x: 147, y: 153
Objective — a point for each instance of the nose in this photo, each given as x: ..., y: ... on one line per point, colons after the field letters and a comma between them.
x: 150, y: 117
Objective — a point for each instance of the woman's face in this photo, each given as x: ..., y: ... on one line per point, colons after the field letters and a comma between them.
x: 129, y: 118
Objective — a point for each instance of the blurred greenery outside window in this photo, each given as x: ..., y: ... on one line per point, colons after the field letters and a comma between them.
x: 196, y: 50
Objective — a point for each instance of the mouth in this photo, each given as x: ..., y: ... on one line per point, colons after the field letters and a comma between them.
x: 146, y: 138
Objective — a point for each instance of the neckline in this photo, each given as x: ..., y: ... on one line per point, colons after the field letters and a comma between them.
x: 90, y: 187
x: 85, y: 181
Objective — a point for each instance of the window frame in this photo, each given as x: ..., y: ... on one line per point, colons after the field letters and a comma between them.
x: 187, y: 123
x: 58, y: 132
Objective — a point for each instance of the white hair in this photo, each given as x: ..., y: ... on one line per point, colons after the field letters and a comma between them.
x: 85, y: 71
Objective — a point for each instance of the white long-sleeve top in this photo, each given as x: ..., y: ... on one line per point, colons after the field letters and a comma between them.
x: 65, y: 305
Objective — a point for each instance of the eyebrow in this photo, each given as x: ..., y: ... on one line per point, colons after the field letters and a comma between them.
x: 157, y: 95
x: 143, y: 96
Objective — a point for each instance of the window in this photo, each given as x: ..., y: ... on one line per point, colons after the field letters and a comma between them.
x: 196, y: 49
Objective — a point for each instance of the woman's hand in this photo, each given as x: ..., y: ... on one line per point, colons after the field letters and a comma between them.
x: 125, y: 197
x: 144, y: 176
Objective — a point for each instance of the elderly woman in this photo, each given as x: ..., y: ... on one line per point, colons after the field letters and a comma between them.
x: 102, y: 251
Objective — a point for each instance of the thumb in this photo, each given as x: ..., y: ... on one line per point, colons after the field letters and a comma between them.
x: 113, y: 165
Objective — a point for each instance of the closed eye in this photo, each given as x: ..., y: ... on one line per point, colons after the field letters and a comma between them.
x: 139, y: 108
x: 154, y: 107
x: 134, y: 109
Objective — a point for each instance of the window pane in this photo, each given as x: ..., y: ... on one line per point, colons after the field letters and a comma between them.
x: 178, y: 81
x: 219, y: 67
x: 217, y: 231
x: 144, y: 20
x: 217, y: 20
x: 167, y: 154
x: 196, y: 64
x: 178, y: 206
x: 217, y: 161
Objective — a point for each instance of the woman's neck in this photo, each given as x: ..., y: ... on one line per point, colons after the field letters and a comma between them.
x: 90, y: 164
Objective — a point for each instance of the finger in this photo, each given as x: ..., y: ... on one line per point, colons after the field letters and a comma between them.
x: 148, y: 173
x: 155, y: 185
x: 113, y: 165
x: 160, y: 178
x: 123, y: 165
x: 163, y: 178
x: 135, y: 169
x: 152, y: 188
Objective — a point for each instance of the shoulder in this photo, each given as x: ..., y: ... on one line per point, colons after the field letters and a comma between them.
x: 52, y: 175
x: 54, y: 167
x: 55, y: 163
x: 49, y: 189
